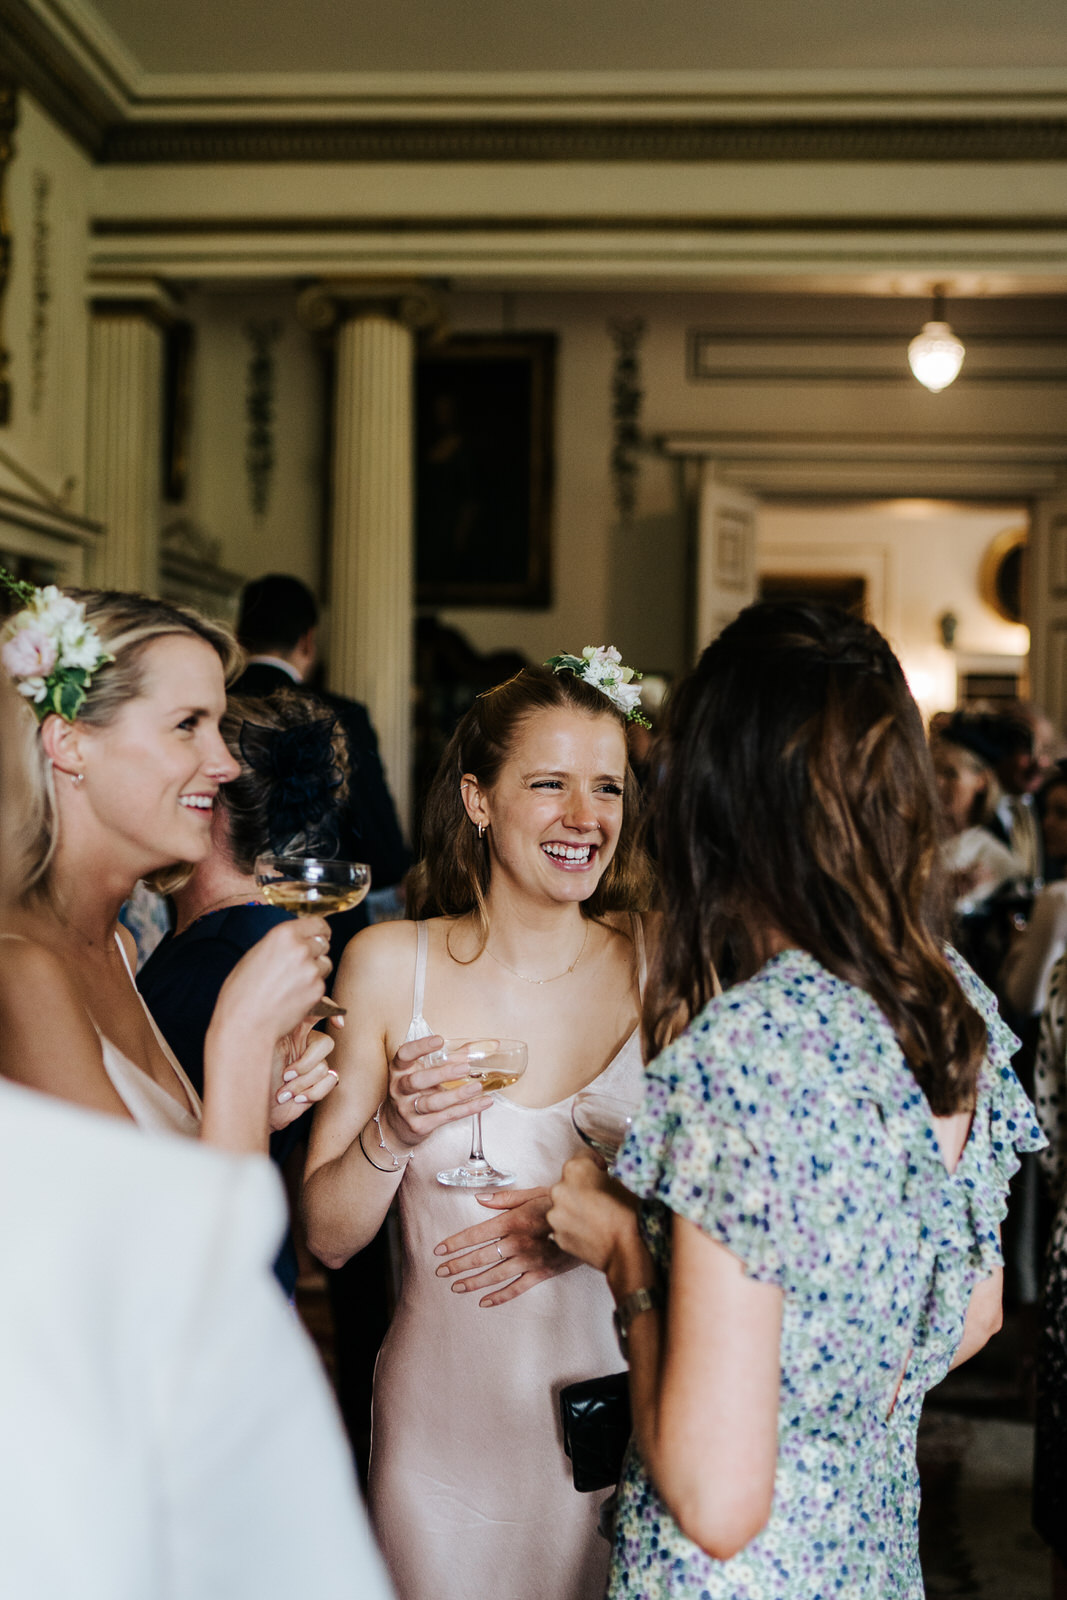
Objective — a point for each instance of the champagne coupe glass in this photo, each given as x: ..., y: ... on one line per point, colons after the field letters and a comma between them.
x: 494, y: 1063
x: 312, y: 888
x: 602, y: 1121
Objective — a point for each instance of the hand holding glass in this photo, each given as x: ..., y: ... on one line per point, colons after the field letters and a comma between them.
x: 312, y: 888
x: 602, y: 1121
x: 495, y: 1064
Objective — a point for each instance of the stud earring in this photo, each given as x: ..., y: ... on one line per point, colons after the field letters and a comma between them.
x: 76, y: 778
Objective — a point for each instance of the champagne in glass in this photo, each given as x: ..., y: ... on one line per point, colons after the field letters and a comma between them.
x: 602, y: 1121
x: 495, y: 1064
x: 311, y: 887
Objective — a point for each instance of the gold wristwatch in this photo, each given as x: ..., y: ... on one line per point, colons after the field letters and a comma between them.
x: 631, y: 1307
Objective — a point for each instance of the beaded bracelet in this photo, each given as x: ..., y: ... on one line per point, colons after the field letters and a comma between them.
x: 394, y: 1158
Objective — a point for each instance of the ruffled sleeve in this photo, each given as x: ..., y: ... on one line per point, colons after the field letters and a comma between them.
x: 698, y: 1147
x: 1004, y: 1129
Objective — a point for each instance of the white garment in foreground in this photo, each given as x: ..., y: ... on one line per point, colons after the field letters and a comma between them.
x: 167, y: 1433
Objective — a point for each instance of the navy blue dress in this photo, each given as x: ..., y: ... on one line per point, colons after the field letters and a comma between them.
x: 180, y: 983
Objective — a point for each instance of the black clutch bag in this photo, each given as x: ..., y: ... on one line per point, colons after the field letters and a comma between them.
x: 596, y: 1429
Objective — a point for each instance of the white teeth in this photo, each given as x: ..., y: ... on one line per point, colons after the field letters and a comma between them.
x: 196, y: 802
x: 568, y: 852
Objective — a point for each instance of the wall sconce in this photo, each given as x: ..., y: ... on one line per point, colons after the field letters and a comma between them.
x: 936, y: 355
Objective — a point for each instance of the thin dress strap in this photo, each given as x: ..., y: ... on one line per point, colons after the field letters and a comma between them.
x: 639, y: 947
x: 422, y: 944
x: 193, y: 1099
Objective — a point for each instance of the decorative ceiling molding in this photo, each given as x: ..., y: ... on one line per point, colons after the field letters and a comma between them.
x: 778, y: 140
x: 547, y: 256
x: 888, y: 465
x: 65, y: 74
x: 63, y: 53
x: 869, y: 356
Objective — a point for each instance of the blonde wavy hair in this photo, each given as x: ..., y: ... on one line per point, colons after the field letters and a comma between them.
x: 127, y: 625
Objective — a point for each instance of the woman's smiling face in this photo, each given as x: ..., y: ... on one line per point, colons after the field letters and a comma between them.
x: 152, y: 775
x: 555, y: 810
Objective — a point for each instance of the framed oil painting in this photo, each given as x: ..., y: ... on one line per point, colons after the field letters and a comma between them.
x: 484, y: 458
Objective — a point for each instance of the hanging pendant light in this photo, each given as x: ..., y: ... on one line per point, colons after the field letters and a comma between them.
x: 936, y: 355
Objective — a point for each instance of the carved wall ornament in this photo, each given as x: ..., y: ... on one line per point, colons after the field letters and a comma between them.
x: 41, y: 255
x: 259, y: 412
x: 627, y: 397
x: 8, y: 121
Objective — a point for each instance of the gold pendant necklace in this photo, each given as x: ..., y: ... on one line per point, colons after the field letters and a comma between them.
x: 555, y: 976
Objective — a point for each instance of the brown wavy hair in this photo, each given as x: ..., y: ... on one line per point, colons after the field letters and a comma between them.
x: 795, y: 792
x: 452, y: 877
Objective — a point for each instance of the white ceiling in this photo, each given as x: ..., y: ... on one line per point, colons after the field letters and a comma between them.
x: 476, y: 36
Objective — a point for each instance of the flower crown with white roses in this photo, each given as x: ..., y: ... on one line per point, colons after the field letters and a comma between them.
x: 601, y: 667
x: 49, y: 649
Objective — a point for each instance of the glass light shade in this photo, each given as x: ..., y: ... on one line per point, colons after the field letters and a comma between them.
x: 936, y: 356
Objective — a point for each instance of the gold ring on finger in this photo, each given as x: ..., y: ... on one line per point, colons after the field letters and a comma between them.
x: 500, y: 1252
x: 415, y: 1106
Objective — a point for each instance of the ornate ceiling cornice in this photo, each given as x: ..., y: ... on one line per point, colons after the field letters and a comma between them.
x: 62, y: 54
x: 971, y: 139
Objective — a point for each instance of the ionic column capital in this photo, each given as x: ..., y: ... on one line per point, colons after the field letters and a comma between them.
x: 133, y: 297
x: 417, y: 306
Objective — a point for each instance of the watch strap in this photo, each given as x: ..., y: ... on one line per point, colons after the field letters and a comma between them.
x: 645, y: 1299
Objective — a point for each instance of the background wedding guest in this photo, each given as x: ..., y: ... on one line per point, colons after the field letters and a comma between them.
x: 118, y: 729
x: 290, y: 783
x: 1050, y: 1444
x: 531, y: 884
x: 806, y: 1239
x: 965, y: 750
x: 1028, y: 743
x: 145, y: 1448
x: 1039, y: 944
x: 278, y: 627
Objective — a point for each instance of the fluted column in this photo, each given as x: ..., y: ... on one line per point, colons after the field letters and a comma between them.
x: 371, y: 572
x: 125, y: 446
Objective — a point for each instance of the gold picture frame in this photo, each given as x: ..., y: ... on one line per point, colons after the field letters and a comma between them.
x: 1002, y: 574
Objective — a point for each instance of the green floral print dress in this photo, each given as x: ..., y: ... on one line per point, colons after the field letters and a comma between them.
x: 786, y: 1124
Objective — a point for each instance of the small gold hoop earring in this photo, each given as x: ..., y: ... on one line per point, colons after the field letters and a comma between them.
x: 481, y: 829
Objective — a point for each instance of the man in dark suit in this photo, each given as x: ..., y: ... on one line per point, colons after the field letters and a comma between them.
x: 278, y: 627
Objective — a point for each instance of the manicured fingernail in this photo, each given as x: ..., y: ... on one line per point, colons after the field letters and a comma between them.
x: 287, y: 1077
x: 284, y: 1095
x: 440, y: 1250
x: 442, y: 1272
x: 301, y: 1099
x: 331, y: 1073
x: 459, y: 1288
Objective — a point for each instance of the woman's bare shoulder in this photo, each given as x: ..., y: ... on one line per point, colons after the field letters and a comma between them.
x: 27, y: 965
x: 47, y: 1037
x: 622, y: 922
x: 381, y: 954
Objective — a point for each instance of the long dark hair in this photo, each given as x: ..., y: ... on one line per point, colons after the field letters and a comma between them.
x: 795, y: 792
x: 452, y: 877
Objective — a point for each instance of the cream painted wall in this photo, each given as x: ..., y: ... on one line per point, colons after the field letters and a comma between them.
x: 48, y: 442
x: 929, y: 554
x: 288, y: 535
x: 621, y: 585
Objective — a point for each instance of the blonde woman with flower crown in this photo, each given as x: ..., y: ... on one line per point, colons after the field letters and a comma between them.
x: 532, y: 884
x: 121, y: 700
